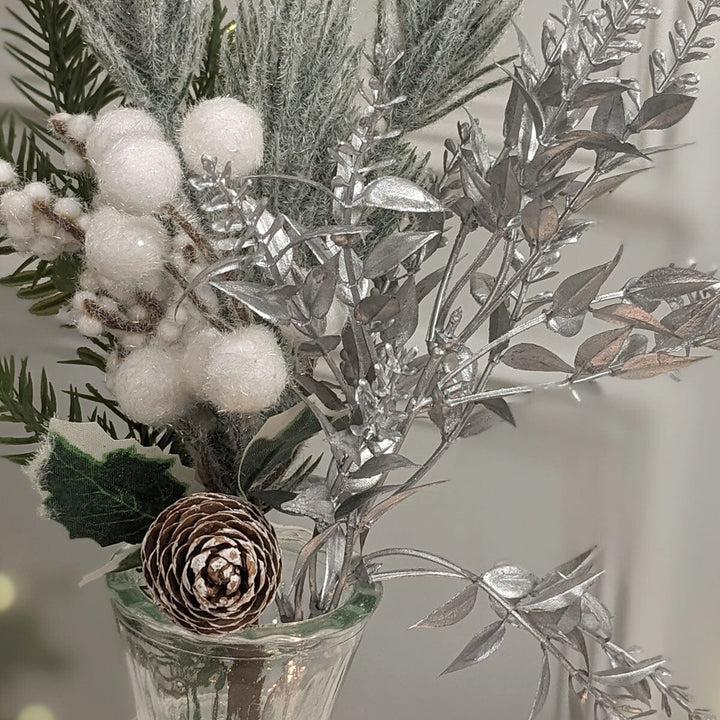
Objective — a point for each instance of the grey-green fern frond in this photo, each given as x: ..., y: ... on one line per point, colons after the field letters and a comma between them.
x: 293, y: 61
x: 445, y: 45
x: 152, y: 49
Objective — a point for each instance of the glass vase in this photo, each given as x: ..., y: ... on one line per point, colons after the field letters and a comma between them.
x: 274, y: 671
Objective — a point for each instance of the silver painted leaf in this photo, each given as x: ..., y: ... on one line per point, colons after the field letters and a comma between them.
x: 528, y: 356
x: 375, y: 513
x: 309, y: 549
x: 481, y: 284
x: 560, y: 594
x: 377, y: 308
x: 429, y: 283
x: 604, y: 187
x: 480, y: 421
x: 574, y: 295
x: 380, y: 465
x: 479, y: 648
x: 635, y: 345
x: 610, y: 115
x: 598, y: 351
x: 668, y: 282
x: 566, y: 326
x: 457, y: 608
x: 660, y: 112
x: 396, y: 193
x: 580, y: 563
x: 271, y: 305
x: 509, y: 581
x: 595, y: 617
x: 543, y: 688
x: 318, y: 290
x: 642, y: 367
x: 501, y: 408
x: 313, y: 502
x: 392, y: 250
x: 628, y: 675
x: 405, y: 323
x: 540, y: 221
x: 632, y: 315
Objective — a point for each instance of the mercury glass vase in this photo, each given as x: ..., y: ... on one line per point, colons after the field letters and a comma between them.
x: 274, y: 671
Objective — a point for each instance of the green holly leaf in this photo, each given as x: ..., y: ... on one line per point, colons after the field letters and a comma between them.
x: 104, y: 489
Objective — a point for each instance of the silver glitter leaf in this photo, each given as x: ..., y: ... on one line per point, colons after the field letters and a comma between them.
x: 642, y: 367
x: 457, y: 608
x: 484, y: 644
x: 314, y: 502
x: 509, y: 581
x: 528, y: 356
x: 320, y: 346
x: 480, y: 421
x: 481, y: 284
x: 560, y: 594
x: 660, y: 112
x: 396, y: 193
x: 319, y: 287
x: 543, y: 688
x: 392, y: 250
x: 629, y: 675
x: 380, y: 465
x: 595, y: 617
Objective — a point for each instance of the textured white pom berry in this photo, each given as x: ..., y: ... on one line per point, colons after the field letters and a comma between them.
x: 38, y: 192
x: 74, y: 162
x: 139, y: 174
x: 8, y: 176
x: 89, y: 326
x: 114, y: 125
x: 226, y: 129
x: 245, y: 371
x: 125, y: 249
x: 16, y: 207
x: 79, y: 127
x: 198, y: 349
x: 68, y: 209
x: 150, y: 387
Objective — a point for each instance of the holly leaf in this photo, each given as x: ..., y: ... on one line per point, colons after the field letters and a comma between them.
x: 106, y: 490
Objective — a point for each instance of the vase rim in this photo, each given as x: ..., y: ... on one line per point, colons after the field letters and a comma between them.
x: 137, y: 612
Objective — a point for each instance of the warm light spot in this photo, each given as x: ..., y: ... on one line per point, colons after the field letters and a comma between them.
x: 8, y: 592
x: 36, y: 712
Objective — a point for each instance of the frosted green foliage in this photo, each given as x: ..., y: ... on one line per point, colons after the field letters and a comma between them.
x: 152, y: 49
x: 446, y: 45
x: 293, y: 61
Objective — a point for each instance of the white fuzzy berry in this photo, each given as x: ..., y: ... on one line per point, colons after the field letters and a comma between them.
x: 226, y: 129
x: 8, y: 176
x: 68, y: 209
x: 38, y: 192
x: 139, y: 174
x: 149, y: 386
x: 124, y: 249
x: 16, y: 207
x: 169, y: 331
x: 245, y: 371
x: 197, y: 352
x: 74, y: 162
x: 47, y: 247
x: 79, y: 127
x: 89, y: 326
x: 116, y: 124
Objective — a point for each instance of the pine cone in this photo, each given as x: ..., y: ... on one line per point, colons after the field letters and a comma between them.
x: 212, y: 562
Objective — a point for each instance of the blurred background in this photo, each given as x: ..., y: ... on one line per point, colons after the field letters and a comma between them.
x: 630, y: 467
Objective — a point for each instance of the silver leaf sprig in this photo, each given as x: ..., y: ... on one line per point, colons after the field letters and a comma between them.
x: 570, y: 130
x: 565, y: 618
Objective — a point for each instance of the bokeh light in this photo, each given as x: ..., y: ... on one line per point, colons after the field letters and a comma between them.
x: 36, y: 712
x: 8, y: 592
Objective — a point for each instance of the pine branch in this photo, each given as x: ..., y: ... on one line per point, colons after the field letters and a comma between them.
x: 293, y: 61
x: 207, y: 83
x: 151, y: 50
x: 453, y: 40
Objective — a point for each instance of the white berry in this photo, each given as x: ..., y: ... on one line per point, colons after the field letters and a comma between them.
x: 115, y: 125
x: 226, y: 129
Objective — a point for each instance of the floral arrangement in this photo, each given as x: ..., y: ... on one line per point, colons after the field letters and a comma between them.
x: 246, y: 248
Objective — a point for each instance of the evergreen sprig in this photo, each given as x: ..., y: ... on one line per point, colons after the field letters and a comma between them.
x: 445, y: 45
x: 294, y: 62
